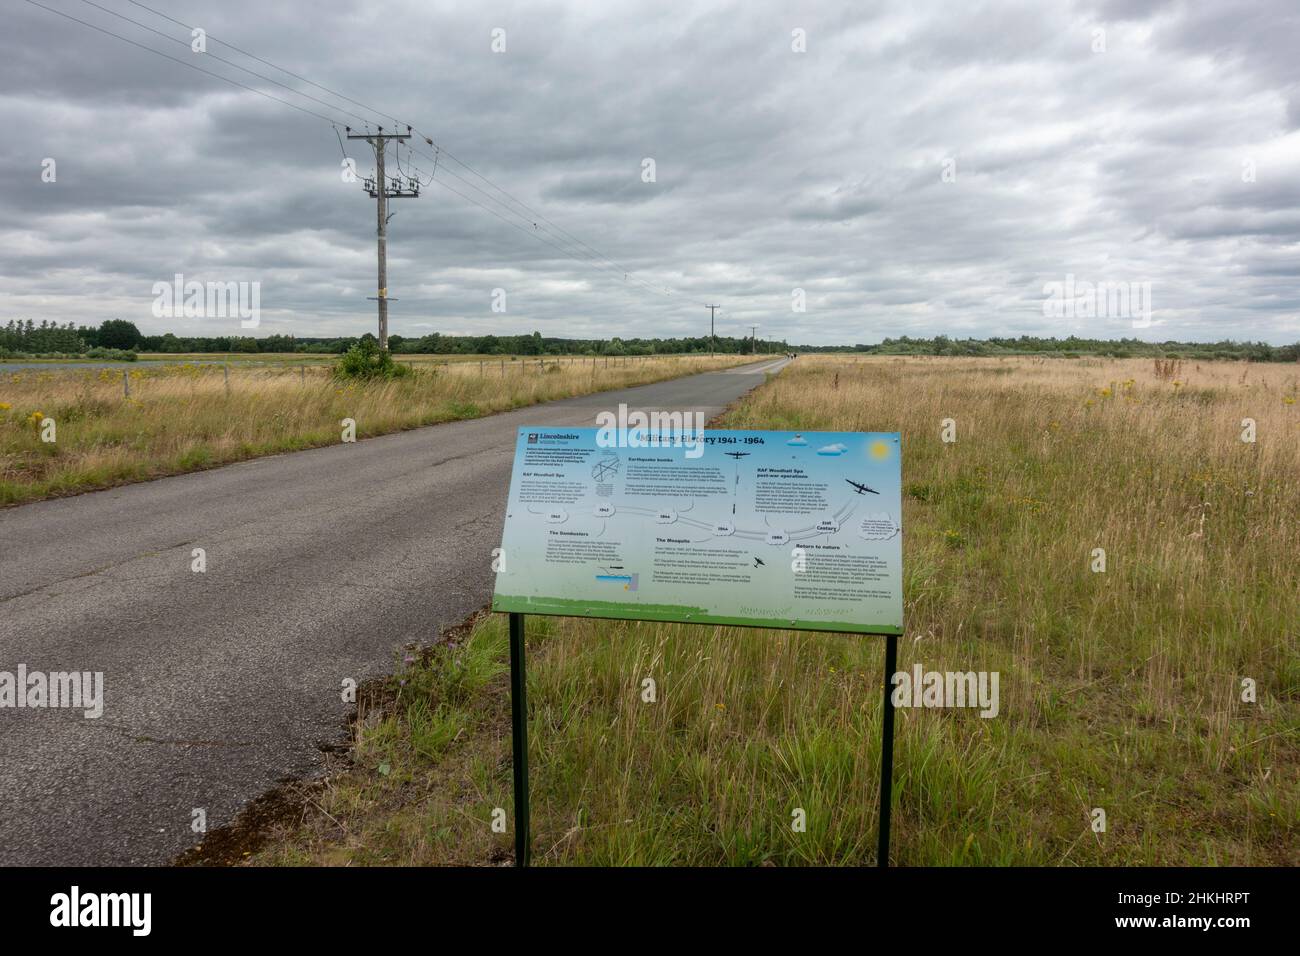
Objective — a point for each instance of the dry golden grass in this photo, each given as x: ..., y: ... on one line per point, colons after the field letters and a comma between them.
x: 185, y: 417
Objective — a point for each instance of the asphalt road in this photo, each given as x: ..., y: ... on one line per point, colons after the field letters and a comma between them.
x: 321, y: 565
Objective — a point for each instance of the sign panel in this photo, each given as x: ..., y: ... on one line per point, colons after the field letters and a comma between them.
x: 758, y: 528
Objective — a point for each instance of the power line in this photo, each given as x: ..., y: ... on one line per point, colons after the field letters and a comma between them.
x: 221, y: 59
x: 591, y: 256
x: 619, y: 267
x: 627, y: 274
x: 428, y: 139
x: 272, y: 65
x: 530, y: 210
x: 168, y: 56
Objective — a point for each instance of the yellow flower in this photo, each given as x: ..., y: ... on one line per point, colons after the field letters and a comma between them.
x: 5, y: 406
x: 1286, y: 399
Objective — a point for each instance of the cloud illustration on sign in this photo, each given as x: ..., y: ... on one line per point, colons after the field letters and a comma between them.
x: 836, y: 449
x: 797, y: 440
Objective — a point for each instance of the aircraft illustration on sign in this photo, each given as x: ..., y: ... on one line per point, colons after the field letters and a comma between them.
x: 860, y: 488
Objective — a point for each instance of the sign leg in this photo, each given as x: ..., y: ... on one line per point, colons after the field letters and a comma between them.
x: 887, y: 749
x: 519, y: 736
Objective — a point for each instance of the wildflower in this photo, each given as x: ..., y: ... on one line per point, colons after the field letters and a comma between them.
x: 1104, y: 392
x: 5, y: 406
x: 1286, y: 400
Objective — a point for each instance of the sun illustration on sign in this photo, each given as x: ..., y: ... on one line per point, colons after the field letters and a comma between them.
x: 879, y: 449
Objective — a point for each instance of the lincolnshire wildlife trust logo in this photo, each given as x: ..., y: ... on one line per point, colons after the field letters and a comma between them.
x: 1080, y: 299
x: 639, y: 429
x: 134, y: 910
x: 211, y: 300
x: 74, y: 690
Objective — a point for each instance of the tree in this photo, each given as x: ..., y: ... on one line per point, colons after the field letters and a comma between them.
x: 118, y: 334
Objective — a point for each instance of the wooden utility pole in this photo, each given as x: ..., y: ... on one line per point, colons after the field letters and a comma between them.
x: 381, y: 189
x: 753, y: 340
x: 712, y: 341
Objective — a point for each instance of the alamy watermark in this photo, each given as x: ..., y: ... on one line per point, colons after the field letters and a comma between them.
x: 1080, y: 299
x: 128, y: 910
x: 208, y: 300
x: 657, y: 429
x: 74, y: 690
x: 922, y: 688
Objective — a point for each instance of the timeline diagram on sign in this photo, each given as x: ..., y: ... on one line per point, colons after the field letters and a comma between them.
x: 780, y: 529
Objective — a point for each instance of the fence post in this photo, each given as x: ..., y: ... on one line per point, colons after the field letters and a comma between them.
x: 226, y: 367
x: 126, y: 384
x: 303, y: 375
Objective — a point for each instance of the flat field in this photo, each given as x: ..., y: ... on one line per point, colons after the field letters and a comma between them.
x: 138, y: 421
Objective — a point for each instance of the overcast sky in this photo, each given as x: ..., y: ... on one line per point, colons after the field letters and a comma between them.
x: 917, y: 169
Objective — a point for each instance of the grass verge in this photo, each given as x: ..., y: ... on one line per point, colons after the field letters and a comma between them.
x: 113, y: 426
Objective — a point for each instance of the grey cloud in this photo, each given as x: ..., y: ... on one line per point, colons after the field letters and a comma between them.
x: 775, y: 169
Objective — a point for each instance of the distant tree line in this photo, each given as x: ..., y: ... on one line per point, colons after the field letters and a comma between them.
x: 27, y: 338
x: 1074, y: 347
x: 24, y: 337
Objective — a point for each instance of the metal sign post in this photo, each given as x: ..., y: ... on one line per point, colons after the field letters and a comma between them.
x: 519, y: 736
x: 887, y: 750
x: 519, y: 743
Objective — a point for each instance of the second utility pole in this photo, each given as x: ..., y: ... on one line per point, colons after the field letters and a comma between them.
x: 379, y: 190
x: 711, y: 339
